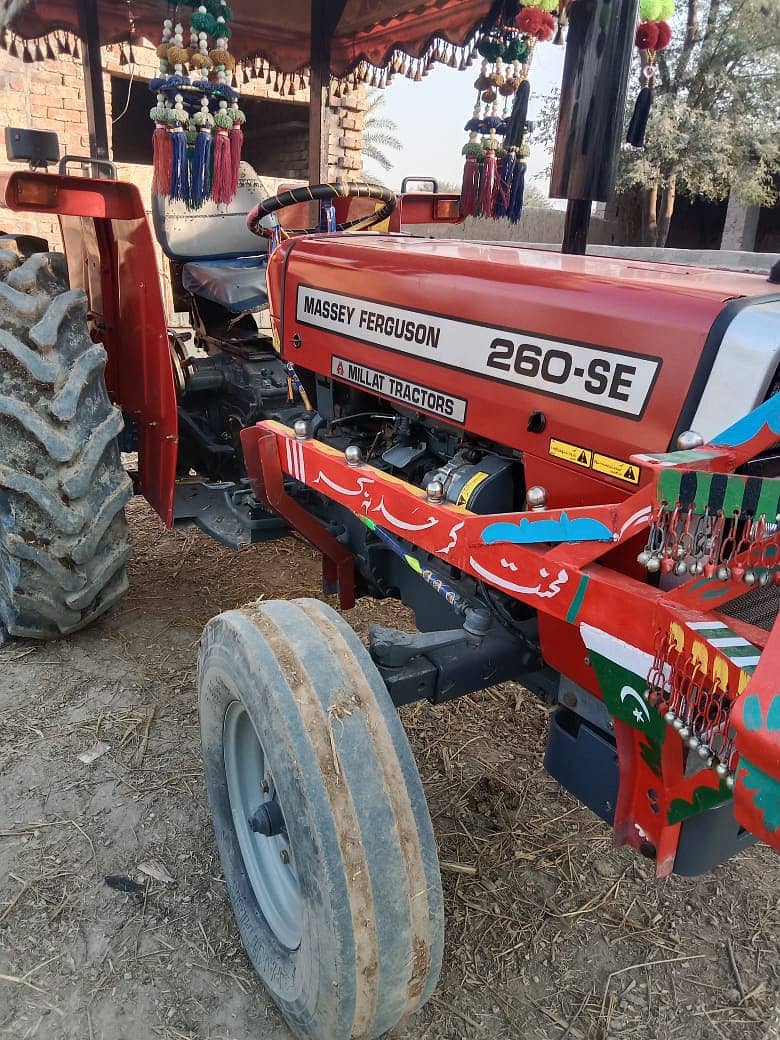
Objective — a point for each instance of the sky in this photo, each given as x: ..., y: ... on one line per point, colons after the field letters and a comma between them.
x: 431, y: 115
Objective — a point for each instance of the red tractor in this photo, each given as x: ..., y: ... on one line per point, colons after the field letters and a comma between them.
x: 500, y: 438
x: 565, y: 466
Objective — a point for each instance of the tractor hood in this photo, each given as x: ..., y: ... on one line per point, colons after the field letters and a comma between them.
x: 516, y: 345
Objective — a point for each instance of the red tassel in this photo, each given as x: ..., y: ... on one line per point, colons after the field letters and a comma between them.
x: 221, y: 183
x: 236, y: 143
x: 162, y: 162
x: 470, y: 187
x: 487, y: 191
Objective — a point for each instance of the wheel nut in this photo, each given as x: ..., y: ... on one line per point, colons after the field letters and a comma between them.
x: 284, y: 856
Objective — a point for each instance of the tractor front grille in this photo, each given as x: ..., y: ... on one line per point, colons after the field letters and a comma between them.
x: 758, y: 607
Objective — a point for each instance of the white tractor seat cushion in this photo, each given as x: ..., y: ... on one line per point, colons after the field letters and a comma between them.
x: 236, y: 284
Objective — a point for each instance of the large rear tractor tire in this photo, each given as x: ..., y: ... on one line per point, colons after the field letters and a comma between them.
x: 63, y: 535
x: 320, y: 818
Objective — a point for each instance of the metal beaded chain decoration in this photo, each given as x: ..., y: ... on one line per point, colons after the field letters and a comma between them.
x: 198, y: 133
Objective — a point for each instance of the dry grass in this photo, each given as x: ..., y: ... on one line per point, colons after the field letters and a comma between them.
x: 552, y: 934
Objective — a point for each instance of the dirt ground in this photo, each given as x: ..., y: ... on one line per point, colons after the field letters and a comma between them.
x: 551, y: 932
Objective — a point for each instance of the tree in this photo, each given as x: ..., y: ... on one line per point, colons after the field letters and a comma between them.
x: 379, y: 132
x: 713, y: 125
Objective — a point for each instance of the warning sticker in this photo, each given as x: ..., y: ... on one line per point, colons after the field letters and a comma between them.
x: 470, y: 487
x: 571, y: 453
x: 579, y: 456
x: 618, y: 468
x: 403, y: 390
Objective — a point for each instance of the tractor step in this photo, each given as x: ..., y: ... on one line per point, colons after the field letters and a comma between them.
x: 226, y: 511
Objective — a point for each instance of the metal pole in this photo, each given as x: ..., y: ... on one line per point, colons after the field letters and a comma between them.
x: 590, y: 121
x: 325, y: 15
x: 319, y: 88
x: 93, y: 79
x: 575, y: 230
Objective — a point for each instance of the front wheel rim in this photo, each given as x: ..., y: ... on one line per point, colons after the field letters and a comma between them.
x: 268, y: 861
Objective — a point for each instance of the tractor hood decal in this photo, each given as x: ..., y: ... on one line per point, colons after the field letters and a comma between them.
x: 613, y: 381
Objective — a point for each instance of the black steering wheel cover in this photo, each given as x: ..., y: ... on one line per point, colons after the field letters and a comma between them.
x: 323, y: 193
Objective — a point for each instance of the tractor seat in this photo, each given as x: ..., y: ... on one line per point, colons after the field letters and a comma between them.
x: 237, y: 283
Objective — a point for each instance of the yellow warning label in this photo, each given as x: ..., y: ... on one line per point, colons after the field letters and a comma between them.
x: 618, y: 468
x: 571, y: 453
x: 470, y: 487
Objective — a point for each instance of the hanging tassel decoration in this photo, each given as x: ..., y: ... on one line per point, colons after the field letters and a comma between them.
x: 515, y: 210
x: 200, y: 186
x: 469, y: 191
x: 489, y: 182
x: 200, y: 180
x: 504, y: 190
x: 236, y: 143
x: 221, y: 179
x: 637, y: 126
x: 222, y: 190
x: 180, y: 180
x: 515, y: 130
x: 162, y: 161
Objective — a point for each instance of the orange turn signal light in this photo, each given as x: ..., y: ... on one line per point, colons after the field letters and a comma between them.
x: 38, y: 190
x: 447, y: 209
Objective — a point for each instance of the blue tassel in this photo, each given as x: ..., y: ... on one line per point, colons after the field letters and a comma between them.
x: 327, y: 216
x: 504, y: 192
x: 200, y: 183
x: 515, y: 210
x: 180, y: 180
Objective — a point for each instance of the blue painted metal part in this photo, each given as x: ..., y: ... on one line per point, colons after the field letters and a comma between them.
x: 744, y: 429
x: 531, y: 532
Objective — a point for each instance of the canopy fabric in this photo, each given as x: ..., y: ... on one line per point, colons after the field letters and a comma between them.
x: 277, y: 30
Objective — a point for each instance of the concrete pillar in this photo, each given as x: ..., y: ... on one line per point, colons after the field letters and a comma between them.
x: 740, y: 226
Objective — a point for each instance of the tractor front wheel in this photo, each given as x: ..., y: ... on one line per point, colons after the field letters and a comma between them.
x: 63, y: 536
x: 323, y: 831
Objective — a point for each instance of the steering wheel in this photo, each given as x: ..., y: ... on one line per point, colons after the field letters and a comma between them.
x: 321, y: 193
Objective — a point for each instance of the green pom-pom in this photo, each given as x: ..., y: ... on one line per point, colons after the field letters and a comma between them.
x: 237, y: 115
x: 222, y: 31
x: 523, y: 151
x: 551, y: 6
x: 217, y: 9
x: 666, y: 11
x: 191, y: 134
x: 471, y: 148
x: 649, y: 10
x: 491, y: 49
x: 516, y: 50
x: 223, y: 119
x: 205, y: 22
x: 161, y: 114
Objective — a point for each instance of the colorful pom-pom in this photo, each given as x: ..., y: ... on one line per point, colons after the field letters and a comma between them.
x: 203, y: 22
x: 646, y: 36
x: 546, y: 30
x: 649, y: 10
x: 224, y: 58
x: 664, y: 35
x: 529, y: 20
x: 666, y: 10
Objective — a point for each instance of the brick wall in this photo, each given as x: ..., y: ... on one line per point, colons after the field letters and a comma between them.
x: 49, y: 95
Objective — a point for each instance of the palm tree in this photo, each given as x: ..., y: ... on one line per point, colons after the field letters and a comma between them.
x: 379, y: 132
